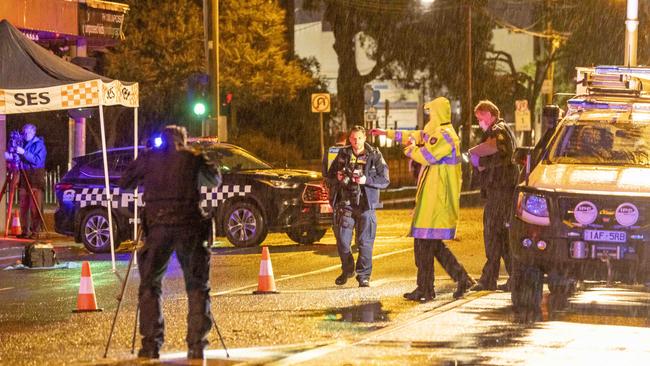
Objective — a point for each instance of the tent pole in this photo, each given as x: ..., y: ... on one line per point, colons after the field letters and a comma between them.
x: 135, y: 192
x: 109, y: 195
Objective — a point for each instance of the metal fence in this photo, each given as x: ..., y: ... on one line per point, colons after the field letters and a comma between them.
x: 52, y: 177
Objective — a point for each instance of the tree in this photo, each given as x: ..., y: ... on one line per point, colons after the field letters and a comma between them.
x: 375, y: 24
x: 164, y: 46
x: 253, y: 48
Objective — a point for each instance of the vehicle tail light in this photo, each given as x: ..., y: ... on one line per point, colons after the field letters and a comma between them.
x: 63, y: 186
x: 315, y: 193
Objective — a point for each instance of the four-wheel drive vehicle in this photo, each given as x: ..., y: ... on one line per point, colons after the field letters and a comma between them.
x: 583, y: 211
x: 255, y: 198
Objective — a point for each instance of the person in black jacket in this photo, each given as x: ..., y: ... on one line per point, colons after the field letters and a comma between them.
x: 355, y: 177
x: 498, y: 176
x: 32, y: 161
x: 173, y: 221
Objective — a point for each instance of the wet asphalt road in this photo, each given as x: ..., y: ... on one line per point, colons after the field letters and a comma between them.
x: 310, y: 321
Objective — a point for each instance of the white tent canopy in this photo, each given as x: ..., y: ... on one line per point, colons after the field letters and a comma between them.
x: 35, y: 80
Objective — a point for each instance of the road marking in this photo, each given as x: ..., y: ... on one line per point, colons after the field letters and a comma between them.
x: 305, y: 274
x: 5, y: 289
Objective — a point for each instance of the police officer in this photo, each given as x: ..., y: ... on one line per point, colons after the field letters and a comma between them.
x: 171, y: 176
x: 498, y: 176
x: 437, y: 201
x: 355, y: 177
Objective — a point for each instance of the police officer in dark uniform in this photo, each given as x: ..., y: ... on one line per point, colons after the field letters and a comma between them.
x: 498, y: 177
x: 355, y: 177
x: 173, y: 221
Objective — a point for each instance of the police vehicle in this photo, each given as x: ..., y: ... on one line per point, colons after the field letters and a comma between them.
x: 583, y: 209
x: 254, y: 199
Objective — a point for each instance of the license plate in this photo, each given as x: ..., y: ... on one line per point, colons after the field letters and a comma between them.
x: 605, y: 235
x: 325, y: 208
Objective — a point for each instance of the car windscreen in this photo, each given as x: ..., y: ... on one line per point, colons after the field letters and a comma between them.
x: 232, y: 159
x: 602, y: 139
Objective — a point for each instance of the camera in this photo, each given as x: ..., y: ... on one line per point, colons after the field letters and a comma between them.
x: 15, y: 141
x: 351, y: 189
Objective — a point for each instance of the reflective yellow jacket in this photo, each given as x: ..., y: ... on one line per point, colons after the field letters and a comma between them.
x: 437, y: 148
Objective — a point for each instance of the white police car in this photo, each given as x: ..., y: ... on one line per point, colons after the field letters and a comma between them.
x: 583, y: 211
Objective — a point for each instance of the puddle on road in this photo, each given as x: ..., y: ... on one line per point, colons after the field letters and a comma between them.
x: 362, y: 313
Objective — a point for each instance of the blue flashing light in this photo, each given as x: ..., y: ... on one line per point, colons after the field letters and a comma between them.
x: 583, y: 104
x: 607, y: 69
x: 157, y: 142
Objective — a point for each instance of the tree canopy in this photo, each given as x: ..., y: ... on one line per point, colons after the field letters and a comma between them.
x: 163, y: 47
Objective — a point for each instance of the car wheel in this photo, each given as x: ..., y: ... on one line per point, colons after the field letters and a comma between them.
x: 244, y: 225
x: 94, y: 232
x: 526, y: 292
x: 305, y: 235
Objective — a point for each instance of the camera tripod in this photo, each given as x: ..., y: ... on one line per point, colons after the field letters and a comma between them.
x: 120, y: 297
x: 11, y: 181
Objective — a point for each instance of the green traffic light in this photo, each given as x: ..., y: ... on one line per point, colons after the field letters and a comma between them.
x: 199, y: 108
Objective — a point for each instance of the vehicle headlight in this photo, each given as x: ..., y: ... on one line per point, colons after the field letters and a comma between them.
x: 282, y: 184
x: 533, y: 209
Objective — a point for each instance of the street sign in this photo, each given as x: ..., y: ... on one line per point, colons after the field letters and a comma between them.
x: 522, y: 116
x: 371, y: 114
x: 320, y: 103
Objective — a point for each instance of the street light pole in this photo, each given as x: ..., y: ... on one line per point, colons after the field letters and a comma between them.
x: 216, y: 97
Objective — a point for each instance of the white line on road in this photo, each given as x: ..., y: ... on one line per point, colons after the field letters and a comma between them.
x: 305, y: 274
x: 5, y: 289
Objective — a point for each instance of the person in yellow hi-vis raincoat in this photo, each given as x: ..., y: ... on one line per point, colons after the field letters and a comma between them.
x: 437, y: 201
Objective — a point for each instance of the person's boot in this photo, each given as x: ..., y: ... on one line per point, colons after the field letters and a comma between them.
x: 148, y: 353
x: 414, y: 295
x: 343, y: 278
x: 195, y: 353
x: 462, y: 286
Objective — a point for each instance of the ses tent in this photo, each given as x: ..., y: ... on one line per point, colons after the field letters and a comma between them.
x: 34, y: 80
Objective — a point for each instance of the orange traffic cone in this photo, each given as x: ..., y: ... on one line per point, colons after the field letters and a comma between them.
x: 266, y: 283
x: 15, y: 229
x: 86, y: 299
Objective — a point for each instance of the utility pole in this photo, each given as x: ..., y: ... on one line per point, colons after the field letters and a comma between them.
x: 219, y: 123
x: 467, y: 124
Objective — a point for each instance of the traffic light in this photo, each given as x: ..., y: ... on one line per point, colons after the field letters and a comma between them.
x: 226, y: 100
x: 198, y: 94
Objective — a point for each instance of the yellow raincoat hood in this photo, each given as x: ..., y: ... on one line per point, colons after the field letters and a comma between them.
x: 439, y: 113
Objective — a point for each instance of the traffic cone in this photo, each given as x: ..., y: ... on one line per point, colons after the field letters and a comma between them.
x: 266, y: 283
x: 86, y: 299
x: 15, y: 228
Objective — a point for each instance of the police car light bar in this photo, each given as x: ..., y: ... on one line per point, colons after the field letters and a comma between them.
x: 614, y: 80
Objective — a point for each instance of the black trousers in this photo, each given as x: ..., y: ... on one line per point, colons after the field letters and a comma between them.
x: 425, y: 252
x: 194, y: 259
x: 495, y: 236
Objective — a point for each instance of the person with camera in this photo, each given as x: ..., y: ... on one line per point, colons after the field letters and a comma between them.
x: 173, y: 221
x: 27, y: 154
x: 498, y: 177
x: 437, y: 200
x: 355, y: 177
